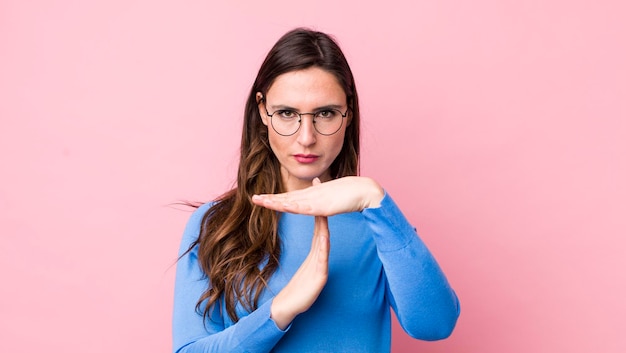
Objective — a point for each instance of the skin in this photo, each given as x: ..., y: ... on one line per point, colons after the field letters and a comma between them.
x: 306, y: 91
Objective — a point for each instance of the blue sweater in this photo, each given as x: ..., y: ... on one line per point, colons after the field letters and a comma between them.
x: 376, y: 261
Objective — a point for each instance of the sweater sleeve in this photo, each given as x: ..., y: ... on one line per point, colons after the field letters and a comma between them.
x: 418, y: 291
x: 255, y: 332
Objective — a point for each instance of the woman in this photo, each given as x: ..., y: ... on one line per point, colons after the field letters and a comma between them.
x: 257, y: 271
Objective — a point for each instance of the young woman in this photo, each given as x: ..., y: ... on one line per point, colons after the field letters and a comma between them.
x: 304, y: 255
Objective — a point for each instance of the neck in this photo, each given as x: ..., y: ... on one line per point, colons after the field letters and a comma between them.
x: 292, y: 183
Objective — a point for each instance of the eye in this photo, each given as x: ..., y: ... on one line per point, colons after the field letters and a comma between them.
x: 287, y: 114
x: 326, y: 114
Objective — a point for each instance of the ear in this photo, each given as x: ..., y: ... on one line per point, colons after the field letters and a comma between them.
x: 350, y: 102
x: 260, y: 102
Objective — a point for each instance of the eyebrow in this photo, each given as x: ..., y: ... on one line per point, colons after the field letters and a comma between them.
x: 324, y: 107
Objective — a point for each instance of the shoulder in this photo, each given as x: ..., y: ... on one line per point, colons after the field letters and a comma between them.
x: 198, y: 214
x: 192, y: 229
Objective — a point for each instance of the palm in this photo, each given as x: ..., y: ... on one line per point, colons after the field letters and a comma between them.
x: 343, y: 195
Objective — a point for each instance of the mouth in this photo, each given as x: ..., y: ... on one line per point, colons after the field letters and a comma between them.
x: 306, y: 158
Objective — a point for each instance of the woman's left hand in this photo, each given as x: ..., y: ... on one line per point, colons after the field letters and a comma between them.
x: 343, y: 195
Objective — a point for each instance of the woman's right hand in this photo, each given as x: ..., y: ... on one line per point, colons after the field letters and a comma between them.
x: 308, y: 281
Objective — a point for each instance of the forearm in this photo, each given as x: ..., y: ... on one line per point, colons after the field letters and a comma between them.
x: 255, y: 333
x: 419, y: 292
x: 193, y: 333
x: 308, y: 281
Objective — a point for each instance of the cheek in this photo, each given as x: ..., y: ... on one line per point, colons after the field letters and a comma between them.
x: 337, y: 144
x: 277, y: 143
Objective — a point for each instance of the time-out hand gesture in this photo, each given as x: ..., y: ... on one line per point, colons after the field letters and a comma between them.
x: 343, y: 195
x: 308, y: 281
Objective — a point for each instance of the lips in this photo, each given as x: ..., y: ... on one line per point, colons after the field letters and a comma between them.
x: 306, y: 158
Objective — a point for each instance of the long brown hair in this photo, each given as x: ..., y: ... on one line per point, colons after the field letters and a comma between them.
x: 238, y: 244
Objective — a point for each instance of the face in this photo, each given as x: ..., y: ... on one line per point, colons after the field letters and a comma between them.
x: 306, y: 154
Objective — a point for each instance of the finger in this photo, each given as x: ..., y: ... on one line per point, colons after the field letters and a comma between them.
x: 284, y: 205
x: 316, y: 234
x: 321, y: 225
x: 320, y: 230
x: 273, y: 202
x: 304, y: 201
x: 321, y: 248
x: 323, y: 254
x: 270, y: 197
x: 264, y: 200
x: 288, y: 196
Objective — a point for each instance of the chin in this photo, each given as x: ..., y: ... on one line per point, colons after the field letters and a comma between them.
x: 304, y: 176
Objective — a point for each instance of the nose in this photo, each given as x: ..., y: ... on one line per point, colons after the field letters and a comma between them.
x: 306, y: 133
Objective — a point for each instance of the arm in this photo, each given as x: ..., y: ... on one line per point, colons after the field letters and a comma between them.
x: 308, y: 281
x: 256, y: 332
x: 418, y: 291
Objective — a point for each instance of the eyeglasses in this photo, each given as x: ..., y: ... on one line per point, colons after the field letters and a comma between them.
x: 287, y: 122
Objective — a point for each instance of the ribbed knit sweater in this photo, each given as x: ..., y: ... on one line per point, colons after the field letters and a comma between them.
x: 377, y: 262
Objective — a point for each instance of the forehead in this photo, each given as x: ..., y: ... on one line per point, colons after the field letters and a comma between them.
x: 312, y: 86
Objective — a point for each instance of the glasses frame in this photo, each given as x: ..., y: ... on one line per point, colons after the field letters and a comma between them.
x: 343, y: 116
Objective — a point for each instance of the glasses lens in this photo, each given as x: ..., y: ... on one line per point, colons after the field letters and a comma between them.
x: 285, y: 122
x: 328, y: 122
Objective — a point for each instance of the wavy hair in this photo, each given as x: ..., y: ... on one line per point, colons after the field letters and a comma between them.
x: 238, y: 245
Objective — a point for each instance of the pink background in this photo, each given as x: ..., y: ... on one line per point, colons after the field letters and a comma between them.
x: 498, y: 126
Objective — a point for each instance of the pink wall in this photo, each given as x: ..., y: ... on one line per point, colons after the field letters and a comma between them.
x: 499, y: 127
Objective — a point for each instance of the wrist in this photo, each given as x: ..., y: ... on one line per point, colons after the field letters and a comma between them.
x: 281, y: 318
x: 375, y: 194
